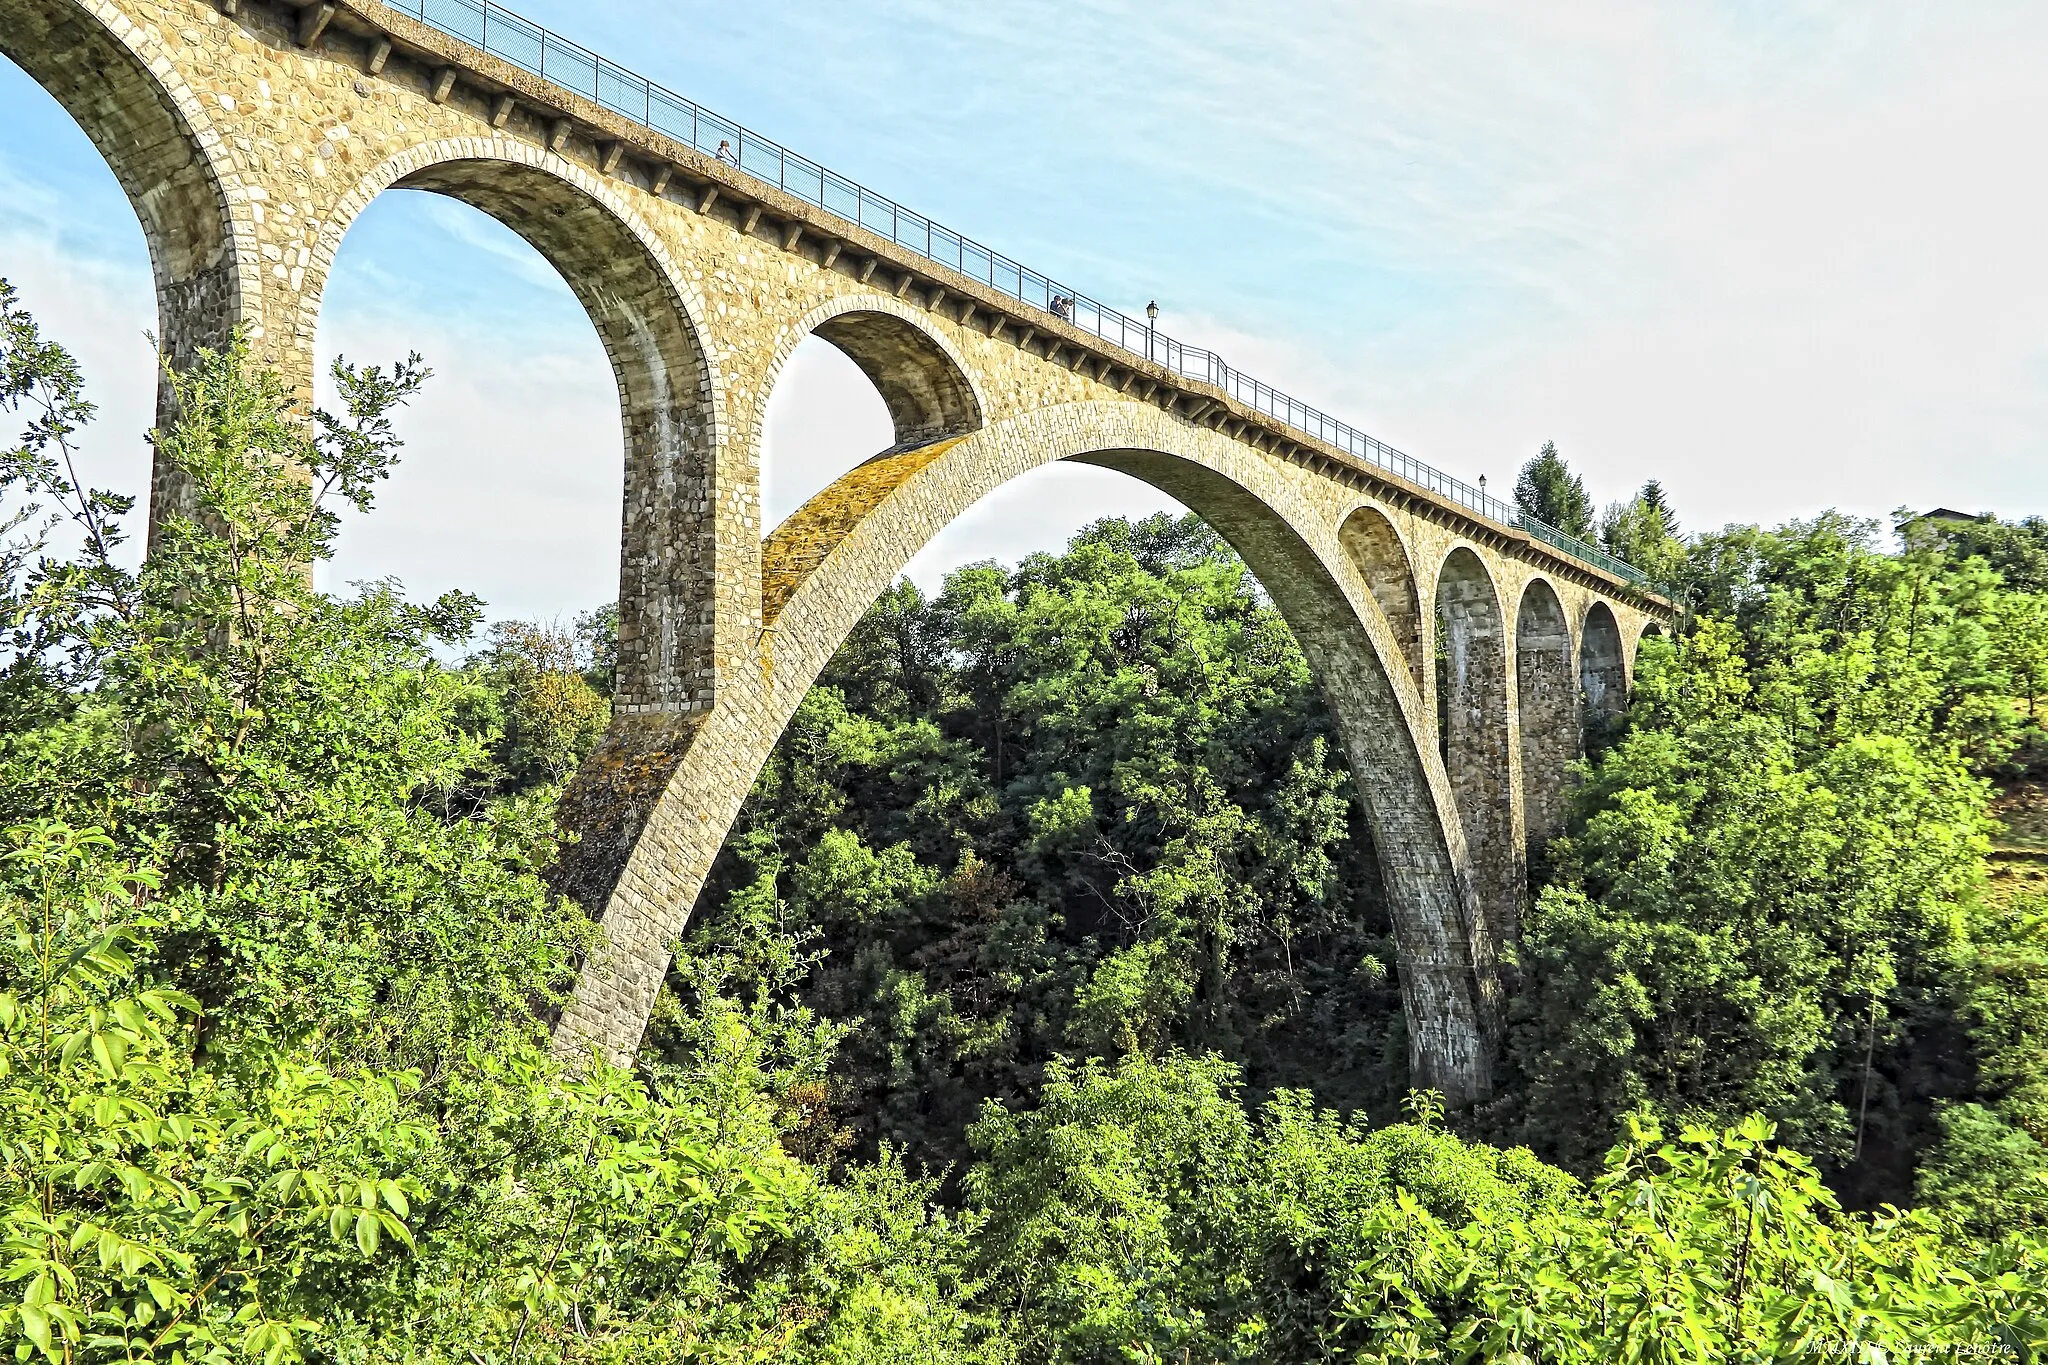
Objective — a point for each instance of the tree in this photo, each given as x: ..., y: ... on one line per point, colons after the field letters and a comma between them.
x: 1644, y: 532
x: 549, y: 714
x: 2016, y: 550
x: 1140, y: 1213
x: 1768, y: 896
x: 2023, y: 647
x: 273, y: 1080
x: 1548, y: 491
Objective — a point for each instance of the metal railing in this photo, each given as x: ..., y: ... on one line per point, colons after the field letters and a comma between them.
x: 553, y: 58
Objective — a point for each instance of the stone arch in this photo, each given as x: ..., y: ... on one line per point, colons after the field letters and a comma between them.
x: 1382, y: 560
x: 1472, y: 713
x: 924, y: 381
x: 678, y: 482
x: 115, y: 79
x: 1547, y: 711
x: 1603, y: 677
x: 830, y: 559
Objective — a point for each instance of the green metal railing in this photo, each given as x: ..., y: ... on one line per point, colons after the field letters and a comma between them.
x: 553, y: 58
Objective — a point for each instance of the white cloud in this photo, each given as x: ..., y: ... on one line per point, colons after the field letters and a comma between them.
x: 511, y: 482
x: 100, y: 311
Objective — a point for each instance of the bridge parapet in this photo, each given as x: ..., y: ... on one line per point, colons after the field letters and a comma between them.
x: 709, y: 158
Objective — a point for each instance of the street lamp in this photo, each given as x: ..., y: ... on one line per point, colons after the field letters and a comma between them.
x: 1151, y: 325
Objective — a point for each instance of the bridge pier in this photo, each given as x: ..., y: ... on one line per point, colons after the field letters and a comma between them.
x: 1472, y: 709
x: 1546, y: 713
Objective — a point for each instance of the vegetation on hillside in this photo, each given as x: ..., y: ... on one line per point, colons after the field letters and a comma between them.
x: 1041, y: 1009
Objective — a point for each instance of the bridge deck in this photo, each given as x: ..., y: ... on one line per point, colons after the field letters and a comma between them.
x: 689, y: 149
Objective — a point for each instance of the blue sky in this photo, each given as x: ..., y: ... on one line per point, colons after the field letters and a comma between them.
x: 1781, y: 256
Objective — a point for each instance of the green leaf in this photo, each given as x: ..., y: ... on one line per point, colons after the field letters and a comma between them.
x: 35, y: 1325
x: 368, y: 1230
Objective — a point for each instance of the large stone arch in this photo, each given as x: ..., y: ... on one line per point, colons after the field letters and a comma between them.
x: 1375, y: 547
x: 1603, y: 677
x: 1473, y: 716
x: 824, y: 566
x: 116, y: 81
x: 1547, y: 709
x: 650, y: 320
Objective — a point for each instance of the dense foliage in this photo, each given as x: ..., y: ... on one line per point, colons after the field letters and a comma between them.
x: 1547, y: 490
x: 1057, y: 879
x: 1644, y: 532
x: 270, y: 1070
x: 1088, y: 806
x: 1772, y: 897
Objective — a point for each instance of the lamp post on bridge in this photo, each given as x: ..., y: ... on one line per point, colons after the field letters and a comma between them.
x: 1151, y: 326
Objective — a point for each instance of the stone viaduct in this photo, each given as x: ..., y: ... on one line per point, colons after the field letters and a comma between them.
x: 1463, y: 657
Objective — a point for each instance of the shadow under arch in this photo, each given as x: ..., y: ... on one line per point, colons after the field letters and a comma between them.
x: 832, y: 558
x: 1472, y: 713
x: 923, y: 382
x: 1375, y: 547
x: 648, y: 319
x: 1547, y: 707
x: 170, y: 163
x: 1603, y: 678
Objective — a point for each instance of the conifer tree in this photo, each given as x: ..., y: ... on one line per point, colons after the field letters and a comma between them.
x: 1548, y: 491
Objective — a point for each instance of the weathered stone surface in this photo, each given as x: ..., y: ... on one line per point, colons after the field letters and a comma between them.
x: 249, y: 153
x: 1547, y: 710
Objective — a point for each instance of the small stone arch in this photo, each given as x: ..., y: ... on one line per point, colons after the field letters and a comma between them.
x: 116, y: 80
x: 1382, y: 560
x: 926, y: 384
x: 1603, y: 678
x: 1547, y: 709
x: 649, y: 318
x: 1651, y: 630
x: 1472, y: 718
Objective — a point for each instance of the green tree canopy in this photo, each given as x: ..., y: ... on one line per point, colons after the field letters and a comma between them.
x: 1548, y: 491
x: 1089, y: 805
x: 1644, y: 532
x: 2016, y: 550
x: 1772, y: 895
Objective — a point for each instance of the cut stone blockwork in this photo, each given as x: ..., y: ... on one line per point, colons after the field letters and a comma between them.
x: 1547, y: 709
x: 249, y: 137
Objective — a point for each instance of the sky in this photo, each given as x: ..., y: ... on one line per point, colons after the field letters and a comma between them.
x: 1782, y: 257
